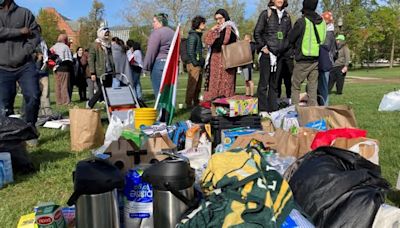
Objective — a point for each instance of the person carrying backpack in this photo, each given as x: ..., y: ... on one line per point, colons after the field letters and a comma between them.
x: 271, y: 36
x: 306, y: 36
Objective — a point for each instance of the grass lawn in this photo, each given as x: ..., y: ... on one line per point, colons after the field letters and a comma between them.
x: 53, y: 157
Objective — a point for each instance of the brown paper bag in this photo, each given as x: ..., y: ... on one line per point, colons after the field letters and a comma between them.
x: 267, y: 125
x: 368, y: 148
x: 244, y: 141
x: 340, y: 116
x: 286, y: 143
x: 85, y: 129
x: 306, y: 137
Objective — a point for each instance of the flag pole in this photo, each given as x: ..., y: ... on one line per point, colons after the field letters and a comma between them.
x: 171, y: 50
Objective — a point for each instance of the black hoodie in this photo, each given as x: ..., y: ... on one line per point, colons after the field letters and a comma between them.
x: 297, y: 33
x: 16, y: 49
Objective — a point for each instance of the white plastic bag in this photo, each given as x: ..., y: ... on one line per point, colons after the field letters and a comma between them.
x: 277, y: 117
x: 387, y: 216
x: 390, y: 102
x: 116, y: 127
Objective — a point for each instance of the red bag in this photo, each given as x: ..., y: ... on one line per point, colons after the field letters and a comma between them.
x: 327, y: 137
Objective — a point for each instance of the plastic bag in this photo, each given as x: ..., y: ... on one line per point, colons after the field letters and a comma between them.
x: 278, y: 116
x: 319, y: 125
x: 326, y: 138
x: 390, y: 102
x: 116, y: 127
x: 12, y: 129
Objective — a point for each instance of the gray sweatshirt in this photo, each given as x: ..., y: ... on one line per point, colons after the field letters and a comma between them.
x: 15, y: 49
x: 158, y: 46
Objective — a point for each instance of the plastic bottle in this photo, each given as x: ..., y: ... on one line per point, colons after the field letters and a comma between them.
x: 7, y: 171
x: 138, y: 200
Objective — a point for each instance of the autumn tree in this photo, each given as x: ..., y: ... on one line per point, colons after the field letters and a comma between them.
x: 48, y: 23
x: 91, y: 23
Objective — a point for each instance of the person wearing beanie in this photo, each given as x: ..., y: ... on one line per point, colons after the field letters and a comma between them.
x: 341, y: 65
x: 101, y: 62
x: 307, y: 35
x: 326, y: 59
x: 271, y: 36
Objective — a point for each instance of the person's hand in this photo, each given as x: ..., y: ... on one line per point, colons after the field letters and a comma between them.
x: 25, y: 31
x: 215, y: 27
x: 265, y: 50
x: 93, y: 77
x: 344, y: 70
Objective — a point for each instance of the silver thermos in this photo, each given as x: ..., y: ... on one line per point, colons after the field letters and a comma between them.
x: 173, y: 192
x: 98, y: 210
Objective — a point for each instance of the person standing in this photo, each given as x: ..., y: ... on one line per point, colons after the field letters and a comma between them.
x: 221, y: 82
x: 271, y: 36
x: 62, y: 69
x: 306, y: 36
x: 19, y: 37
x: 285, y: 74
x: 135, y: 59
x: 247, y: 71
x: 101, y: 62
x: 81, y: 63
x: 92, y: 86
x: 341, y: 65
x: 118, y: 50
x: 326, y: 59
x: 196, y: 61
x: 157, y: 50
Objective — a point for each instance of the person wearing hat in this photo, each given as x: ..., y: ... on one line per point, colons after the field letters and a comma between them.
x: 341, y: 65
x: 101, y: 62
x: 326, y: 59
x: 307, y: 35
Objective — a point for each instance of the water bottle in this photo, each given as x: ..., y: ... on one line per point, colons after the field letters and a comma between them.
x: 6, y: 167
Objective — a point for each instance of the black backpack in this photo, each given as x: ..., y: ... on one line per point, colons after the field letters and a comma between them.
x: 183, y: 51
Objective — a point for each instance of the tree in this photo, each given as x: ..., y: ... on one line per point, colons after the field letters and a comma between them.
x: 91, y: 23
x: 48, y: 23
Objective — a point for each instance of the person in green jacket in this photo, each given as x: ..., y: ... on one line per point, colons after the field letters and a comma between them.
x: 196, y: 61
x: 101, y: 62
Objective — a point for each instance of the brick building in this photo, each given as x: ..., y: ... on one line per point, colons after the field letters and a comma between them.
x: 70, y: 27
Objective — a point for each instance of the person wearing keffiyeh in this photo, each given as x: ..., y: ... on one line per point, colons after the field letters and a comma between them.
x: 101, y: 62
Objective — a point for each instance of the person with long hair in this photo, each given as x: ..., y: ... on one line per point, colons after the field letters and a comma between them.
x: 118, y: 50
x: 81, y: 63
x: 158, y: 47
x: 271, y: 36
x: 220, y: 82
x: 135, y: 58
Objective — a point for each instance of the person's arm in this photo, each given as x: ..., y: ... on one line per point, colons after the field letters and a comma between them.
x: 33, y: 39
x: 191, y: 50
x: 259, y: 30
x: 153, y: 47
x: 211, y: 35
x: 296, y: 31
x: 346, y: 59
x: 9, y: 33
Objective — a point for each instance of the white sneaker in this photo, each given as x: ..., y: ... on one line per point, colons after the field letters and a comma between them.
x: 264, y: 115
x: 87, y: 105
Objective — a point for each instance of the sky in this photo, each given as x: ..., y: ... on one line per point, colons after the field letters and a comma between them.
x: 75, y: 9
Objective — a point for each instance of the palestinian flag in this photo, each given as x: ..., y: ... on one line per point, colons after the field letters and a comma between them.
x: 167, y: 96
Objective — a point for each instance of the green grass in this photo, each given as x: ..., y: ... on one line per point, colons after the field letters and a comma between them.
x: 377, y: 73
x: 55, y: 161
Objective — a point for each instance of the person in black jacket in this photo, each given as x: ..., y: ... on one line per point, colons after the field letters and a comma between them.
x: 306, y: 66
x: 195, y: 61
x: 271, y: 36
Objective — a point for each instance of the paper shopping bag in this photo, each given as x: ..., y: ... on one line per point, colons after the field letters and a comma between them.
x: 85, y: 129
x: 340, y: 116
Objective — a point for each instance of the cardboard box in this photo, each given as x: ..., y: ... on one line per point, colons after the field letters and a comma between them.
x: 49, y: 216
x: 122, y: 154
x: 246, y: 140
x: 237, y: 106
x: 155, y: 146
x: 229, y: 136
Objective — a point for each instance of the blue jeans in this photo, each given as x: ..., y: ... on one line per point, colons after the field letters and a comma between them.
x: 28, y: 79
x: 156, y: 75
x: 323, y: 91
x: 136, y: 84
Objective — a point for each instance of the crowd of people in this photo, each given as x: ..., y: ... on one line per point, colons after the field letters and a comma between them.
x: 307, y: 51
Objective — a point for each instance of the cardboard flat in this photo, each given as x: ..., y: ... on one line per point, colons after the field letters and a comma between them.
x: 122, y: 154
x: 155, y: 146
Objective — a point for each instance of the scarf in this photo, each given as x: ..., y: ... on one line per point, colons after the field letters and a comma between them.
x: 232, y: 24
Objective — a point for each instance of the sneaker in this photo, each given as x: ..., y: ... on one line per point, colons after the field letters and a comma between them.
x: 87, y: 105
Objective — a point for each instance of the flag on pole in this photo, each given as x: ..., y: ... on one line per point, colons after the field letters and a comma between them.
x: 166, y: 99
